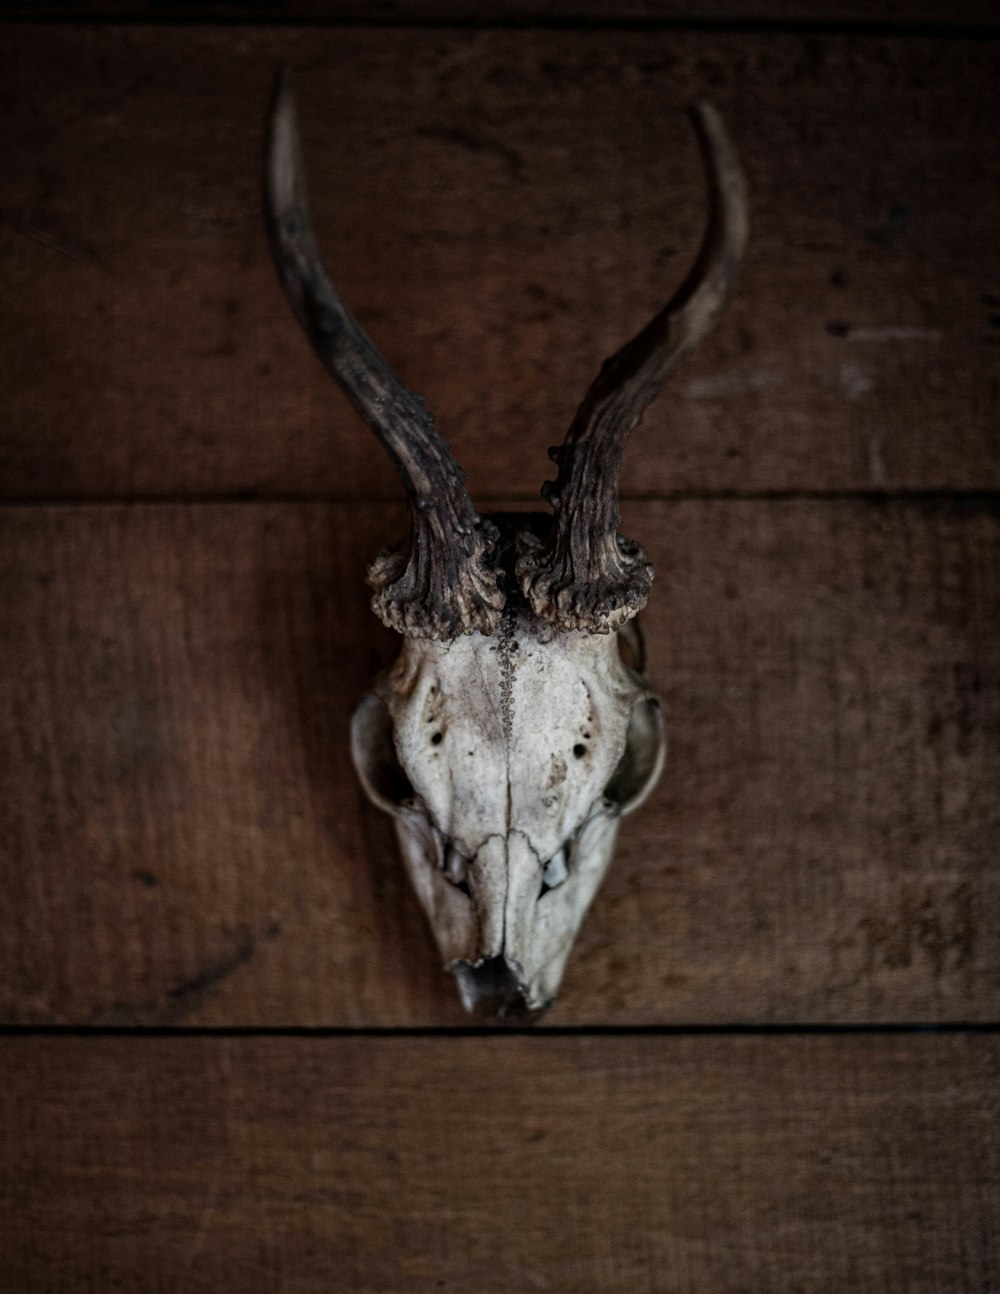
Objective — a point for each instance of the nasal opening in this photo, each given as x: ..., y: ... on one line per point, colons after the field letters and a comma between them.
x: 492, y: 989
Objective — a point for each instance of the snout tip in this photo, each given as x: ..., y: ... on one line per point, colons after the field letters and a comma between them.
x: 492, y: 990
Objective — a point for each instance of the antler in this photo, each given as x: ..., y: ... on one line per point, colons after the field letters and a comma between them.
x: 442, y: 583
x: 587, y: 576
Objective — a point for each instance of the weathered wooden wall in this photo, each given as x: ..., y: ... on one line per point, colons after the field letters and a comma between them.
x: 186, y: 511
x: 503, y: 208
x: 565, y: 1164
x: 187, y: 842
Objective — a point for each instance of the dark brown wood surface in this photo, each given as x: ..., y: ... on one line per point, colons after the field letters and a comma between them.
x: 501, y: 1164
x: 503, y: 209
x: 186, y: 841
x: 980, y: 15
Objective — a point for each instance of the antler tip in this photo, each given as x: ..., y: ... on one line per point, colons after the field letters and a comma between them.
x: 284, y: 85
x: 703, y: 110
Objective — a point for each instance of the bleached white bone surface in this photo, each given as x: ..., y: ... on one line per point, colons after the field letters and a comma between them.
x: 507, y: 761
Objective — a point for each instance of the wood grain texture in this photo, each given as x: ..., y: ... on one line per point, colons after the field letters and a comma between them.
x: 701, y: 1166
x: 183, y: 839
x: 503, y: 209
x: 980, y: 14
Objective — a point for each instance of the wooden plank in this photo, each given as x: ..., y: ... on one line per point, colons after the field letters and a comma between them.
x: 503, y: 208
x: 979, y: 14
x: 183, y: 839
x: 503, y: 1164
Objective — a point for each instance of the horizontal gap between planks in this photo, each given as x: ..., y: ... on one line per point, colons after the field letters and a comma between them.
x: 494, y: 1031
x: 878, y: 28
x: 971, y: 498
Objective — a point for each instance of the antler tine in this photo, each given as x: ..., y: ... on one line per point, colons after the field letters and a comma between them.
x: 441, y: 584
x: 587, y: 576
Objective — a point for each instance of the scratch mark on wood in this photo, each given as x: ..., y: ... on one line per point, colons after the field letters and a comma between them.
x: 207, y: 1213
x: 482, y: 140
x: 216, y: 970
x: 57, y: 244
x: 883, y: 332
x: 876, y: 464
x: 854, y: 381
x: 735, y: 383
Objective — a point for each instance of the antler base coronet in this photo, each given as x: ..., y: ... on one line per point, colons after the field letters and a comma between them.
x: 596, y: 590
x: 429, y: 588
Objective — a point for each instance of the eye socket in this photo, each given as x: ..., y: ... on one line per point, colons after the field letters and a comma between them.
x: 632, y: 646
x: 374, y: 753
x: 579, y: 750
x: 642, y: 761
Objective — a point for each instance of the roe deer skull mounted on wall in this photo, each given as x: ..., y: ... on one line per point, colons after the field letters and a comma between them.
x: 511, y: 735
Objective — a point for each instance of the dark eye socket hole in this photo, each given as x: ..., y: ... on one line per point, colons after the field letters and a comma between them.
x: 579, y: 750
x: 631, y: 647
x: 390, y: 779
x: 641, y: 758
x: 375, y: 755
x: 435, y: 739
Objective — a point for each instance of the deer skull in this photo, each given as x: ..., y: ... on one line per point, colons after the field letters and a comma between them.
x: 515, y: 729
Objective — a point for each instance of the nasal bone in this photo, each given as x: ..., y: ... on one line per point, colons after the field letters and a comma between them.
x: 504, y: 880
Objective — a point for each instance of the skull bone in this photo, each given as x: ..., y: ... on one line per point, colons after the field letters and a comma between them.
x: 507, y: 761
